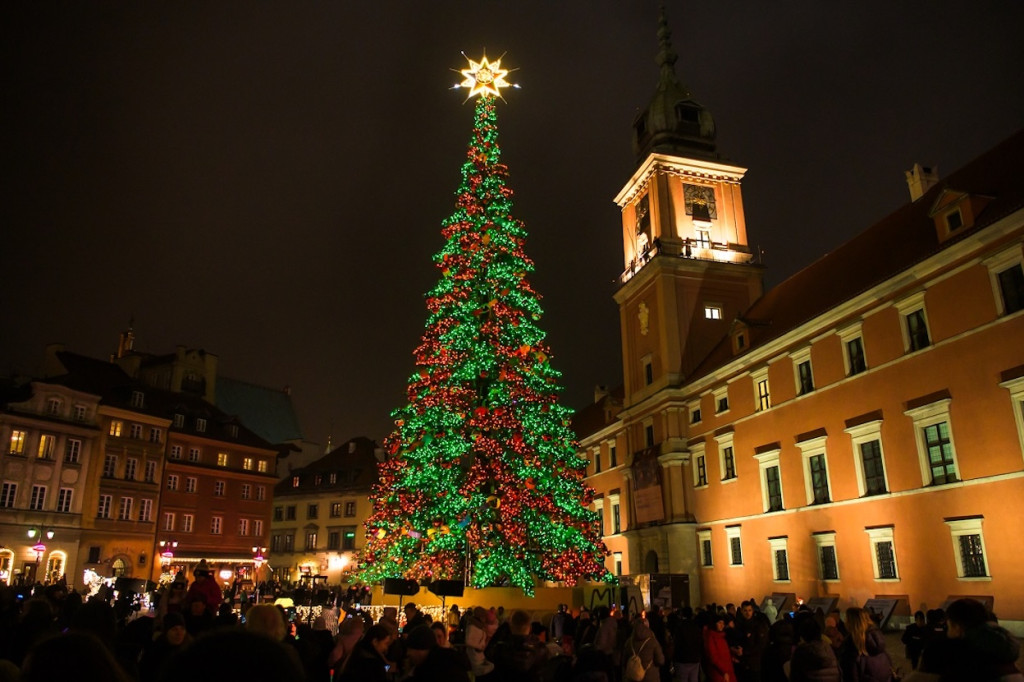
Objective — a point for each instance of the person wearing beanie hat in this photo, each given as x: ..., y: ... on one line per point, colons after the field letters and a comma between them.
x: 173, y: 637
x: 432, y: 663
x: 205, y: 589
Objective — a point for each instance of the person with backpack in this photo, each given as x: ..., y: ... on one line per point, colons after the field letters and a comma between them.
x: 642, y: 653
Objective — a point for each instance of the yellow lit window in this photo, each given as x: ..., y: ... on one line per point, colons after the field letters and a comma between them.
x: 222, y: 459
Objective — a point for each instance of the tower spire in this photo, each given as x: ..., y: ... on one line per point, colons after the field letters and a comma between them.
x: 667, y: 57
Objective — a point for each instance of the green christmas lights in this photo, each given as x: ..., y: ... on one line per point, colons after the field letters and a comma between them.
x: 482, y: 481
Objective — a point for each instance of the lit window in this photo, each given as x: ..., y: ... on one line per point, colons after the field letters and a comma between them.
x: 335, y: 510
x: 116, y: 426
x: 295, y: 481
x: 732, y: 533
x: 934, y: 439
x: 310, y: 541
x: 17, y: 442
x: 780, y: 558
x: 46, y: 444
x: 828, y: 564
x: 883, y: 552
x: 222, y: 459
x: 247, y: 463
x: 763, y: 394
x: 262, y: 466
x: 712, y: 312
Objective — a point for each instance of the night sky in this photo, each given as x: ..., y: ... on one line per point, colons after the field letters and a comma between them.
x: 267, y: 180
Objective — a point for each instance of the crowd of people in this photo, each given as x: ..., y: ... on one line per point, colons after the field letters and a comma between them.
x: 195, y: 634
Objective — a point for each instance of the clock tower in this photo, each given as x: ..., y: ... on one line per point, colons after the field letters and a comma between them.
x: 688, y: 270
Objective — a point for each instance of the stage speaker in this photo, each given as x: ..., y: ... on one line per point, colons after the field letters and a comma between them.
x: 447, y: 588
x: 405, y: 588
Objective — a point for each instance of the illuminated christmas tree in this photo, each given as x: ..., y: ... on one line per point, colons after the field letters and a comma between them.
x: 482, y: 482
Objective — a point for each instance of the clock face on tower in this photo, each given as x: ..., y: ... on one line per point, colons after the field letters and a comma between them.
x: 700, y: 194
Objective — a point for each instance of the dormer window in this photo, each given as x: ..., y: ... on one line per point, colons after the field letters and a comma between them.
x: 233, y: 430
x: 179, y: 421
x: 200, y: 425
x: 687, y: 114
x: 954, y: 220
x: 138, y: 398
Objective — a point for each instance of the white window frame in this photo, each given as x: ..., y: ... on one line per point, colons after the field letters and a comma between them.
x: 222, y: 459
x: 191, y: 484
x: 693, y: 409
x: 125, y: 506
x: 929, y: 415
x: 135, y: 431
x: 616, y: 508
x: 1000, y: 262
x: 188, y: 523
x: 1016, y: 389
x: 168, y: 522
x: 905, y: 307
x: 219, y: 488
x: 799, y: 357
x: 195, y: 455
x: 145, y: 510
x: 65, y: 498
x: 200, y: 425
x: 865, y: 433
x: 717, y: 395
x: 822, y: 540
x: 780, y: 544
x: 172, y: 482
x: 104, y: 506
x: 875, y: 536
x: 175, y: 452
x: 702, y: 536
x: 712, y: 311
x: 730, y: 533
x: 759, y: 377
x: 766, y: 460
x: 971, y: 526
x: 257, y: 528
x: 846, y: 335
x: 243, y: 527
x: 811, y: 448
x: 725, y: 440
x: 698, y: 452
x: 216, y: 525
x: 37, y: 497
x: 73, y: 451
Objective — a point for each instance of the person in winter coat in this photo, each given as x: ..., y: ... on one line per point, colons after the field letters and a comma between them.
x: 976, y: 649
x: 204, y: 588
x: 864, y: 658
x: 172, y: 639
x: 717, y: 657
x: 813, y: 659
x: 913, y: 639
x: 645, y: 645
x: 368, y: 662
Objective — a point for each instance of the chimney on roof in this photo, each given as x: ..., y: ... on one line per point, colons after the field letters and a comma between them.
x: 600, y: 392
x: 920, y: 179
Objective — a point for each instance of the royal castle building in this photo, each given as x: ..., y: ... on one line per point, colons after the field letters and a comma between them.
x: 854, y: 433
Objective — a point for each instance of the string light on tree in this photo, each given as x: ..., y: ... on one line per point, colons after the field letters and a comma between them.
x: 482, y: 481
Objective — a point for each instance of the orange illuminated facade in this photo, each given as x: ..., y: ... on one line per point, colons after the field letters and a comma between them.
x: 856, y: 432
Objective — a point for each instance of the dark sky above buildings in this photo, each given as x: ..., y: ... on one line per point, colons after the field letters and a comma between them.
x: 267, y: 180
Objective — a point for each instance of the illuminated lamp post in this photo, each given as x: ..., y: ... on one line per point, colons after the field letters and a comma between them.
x: 257, y: 561
x: 167, y: 548
x: 39, y: 548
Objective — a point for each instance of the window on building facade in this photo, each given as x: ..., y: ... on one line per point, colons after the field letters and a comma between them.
x: 968, y: 547
x: 262, y: 466
x: 72, y: 451
x: 150, y: 472
x: 295, y: 481
x: 704, y: 542
x: 233, y: 430
x: 257, y: 528
x: 191, y: 484
x: 222, y: 459
x: 780, y: 558
x: 218, y: 488
x: 873, y: 468
x: 243, y: 526
x: 64, y: 496
x: 600, y: 515
x: 124, y: 509
x: 53, y: 406
x: 246, y: 491
x: 105, y: 507
x: 38, y: 498
x: 828, y: 565
x: 917, y: 330
x: 934, y: 440
x: 168, y: 521
x: 216, y: 525
x: 313, y: 511
x: 695, y: 414
x: 350, y: 508
x: 200, y: 425
x: 616, y: 515
x: 179, y: 421
x: 712, y: 312
x: 771, y: 481
x: 174, y: 452
x: 883, y: 552
x: 247, y: 463
x: 46, y: 446
x: 109, y: 466
x: 275, y: 543
x: 310, y: 541
x: 155, y: 435
x: 348, y: 538
x: 261, y: 492
x: 116, y: 426
x: 81, y: 412
x: 732, y: 533
x: 855, y: 360
x: 1011, y: 288
x: 138, y: 399
x: 8, y: 494
x: 146, y: 510
x: 613, y: 457
x: 279, y: 513
x: 819, y: 479
x: 187, y: 522
x: 1015, y: 386
x: 333, y: 540
x: 172, y: 481
x: 649, y: 435
x: 289, y: 542
x: 335, y: 510
x: 194, y: 455
x: 131, y: 467
x: 701, y: 471
x: 762, y: 391
x: 136, y: 431
x: 617, y: 556
x: 805, y: 379
x: 728, y: 464
x: 17, y: 442
x: 597, y: 461
x: 289, y: 512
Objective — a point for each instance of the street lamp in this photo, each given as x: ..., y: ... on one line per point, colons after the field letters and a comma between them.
x: 167, y: 548
x: 39, y: 548
x: 257, y: 557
